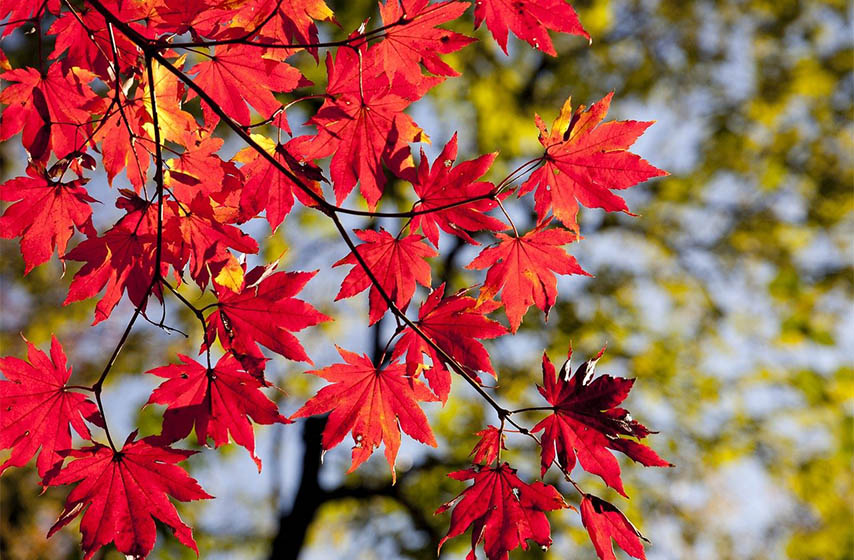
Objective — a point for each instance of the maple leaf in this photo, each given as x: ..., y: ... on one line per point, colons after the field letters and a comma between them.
x: 586, y: 422
x: 123, y: 259
x: 373, y: 404
x: 17, y: 14
x: 121, y: 493
x: 293, y: 21
x: 530, y: 20
x: 604, y: 522
x: 45, y: 214
x: 88, y: 45
x: 362, y: 126
x: 267, y: 188
x: 442, y: 186
x: 416, y: 39
x: 264, y: 311
x: 53, y: 110
x: 174, y: 122
x: 585, y: 161
x: 38, y: 409
x: 491, y: 442
x: 237, y: 74
x: 218, y: 401
x: 125, y: 142
x: 454, y: 324
x: 397, y: 265
x: 202, y: 239
x: 524, y: 268
x: 504, y: 511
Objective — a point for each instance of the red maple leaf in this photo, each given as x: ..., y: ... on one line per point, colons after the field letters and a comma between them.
x: 586, y: 423
x: 122, y: 492
x: 504, y: 511
x: 585, y: 161
x: 417, y: 40
x: 91, y: 46
x: 237, y: 74
x: 54, y: 109
x: 373, y: 404
x: 454, y: 323
x: 530, y: 20
x: 268, y: 189
x: 217, y: 402
x: 605, y: 522
x: 125, y: 143
x: 19, y: 14
x: 45, y: 214
x: 362, y: 126
x: 263, y: 311
x: 523, y: 269
x: 491, y: 442
x: 444, y: 186
x: 123, y: 259
x: 396, y: 263
x: 201, y: 239
x: 38, y: 409
x: 292, y: 23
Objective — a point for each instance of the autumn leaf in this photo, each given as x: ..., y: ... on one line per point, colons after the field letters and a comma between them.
x: 396, y: 263
x: 373, y: 404
x: 605, y: 522
x: 488, y: 447
x: 524, y: 268
x: 503, y: 511
x: 218, y: 402
x: 121, y: 493
x: 54, y: 109
x: 585, y: 161
x: 587, y: 423
x: 268, y: 189
x: 530, y: 20
x: 264, y: 312
x: 293, y: 21
x: 173, y: 120
x: 454, y: 324
x: 38, y: 409
x: 444, y: 194
x: 201, y: 239
x: 362, y: 127
x: 123, y: 259
x: 414, y: 39
x: 238, y: 74
x: 125, y: 143
x: 45, y: 214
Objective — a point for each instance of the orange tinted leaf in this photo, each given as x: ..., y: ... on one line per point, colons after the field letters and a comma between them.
x: 396, y: 263
x: 584, y: 161
x: 417, y: 40
x: 237, y: 74
x: 454, y: 324
x: 523, y: 269
x: 373, y: 404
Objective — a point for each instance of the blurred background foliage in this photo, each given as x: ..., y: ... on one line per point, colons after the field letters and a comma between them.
x: 729, y: 298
